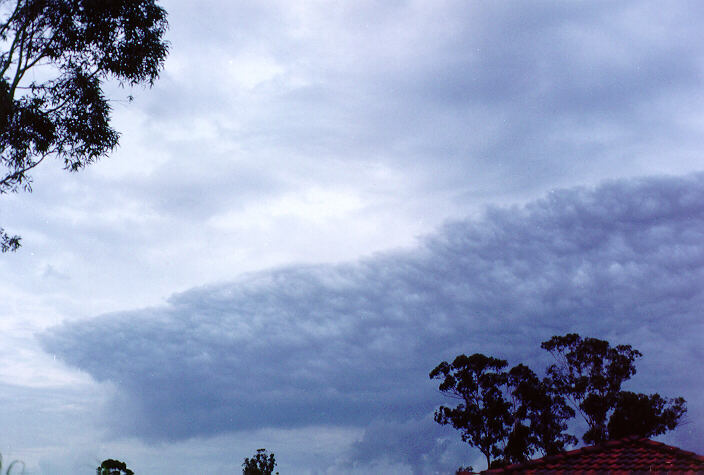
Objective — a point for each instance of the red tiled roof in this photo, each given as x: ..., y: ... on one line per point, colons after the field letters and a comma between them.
x: 616, y: 457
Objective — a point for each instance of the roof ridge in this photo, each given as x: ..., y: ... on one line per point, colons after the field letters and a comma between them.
x: 631, y: 447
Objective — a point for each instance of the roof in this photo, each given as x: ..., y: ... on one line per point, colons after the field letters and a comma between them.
x: 617, y: 456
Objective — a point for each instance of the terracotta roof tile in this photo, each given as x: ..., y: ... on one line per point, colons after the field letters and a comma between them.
x: 615, y: 457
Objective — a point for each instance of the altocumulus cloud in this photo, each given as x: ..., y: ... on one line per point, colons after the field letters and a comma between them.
x: 347, y: 345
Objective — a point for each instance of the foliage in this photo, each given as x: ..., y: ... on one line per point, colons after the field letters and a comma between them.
x: 113, y: 467
x: 646, y: 415
x: 71, y: 47
x: 589, y: 372
x: 483, y: 414
x: 511, y: 415
x: 508, y: 416
x: 540, y: 416
x: 260, y: 464
x: 7, y: 242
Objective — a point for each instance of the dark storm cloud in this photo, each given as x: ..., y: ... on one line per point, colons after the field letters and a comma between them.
x: 348, y: 344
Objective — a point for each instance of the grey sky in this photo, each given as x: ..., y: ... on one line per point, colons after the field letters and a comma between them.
x: 334, y: 197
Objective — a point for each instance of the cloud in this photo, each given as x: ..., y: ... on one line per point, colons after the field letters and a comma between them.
x: 419, y: 112
x: 350, y: 344
x: 462, y: 96
x: 418, y: 446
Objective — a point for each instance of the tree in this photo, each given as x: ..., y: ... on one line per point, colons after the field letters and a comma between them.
x: 540, y: 417
x: 590, y: 373
x: 645, y: 415
x: 259, y: 464
x: 60, y: 111
x: 509, y: 416
x: 483, y: 413
x: 113, y: 467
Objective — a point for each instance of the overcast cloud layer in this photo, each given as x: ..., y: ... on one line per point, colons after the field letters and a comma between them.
x: 251, y: 250
x: 351, y: 344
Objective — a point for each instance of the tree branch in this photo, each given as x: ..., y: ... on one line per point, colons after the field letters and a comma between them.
x: 5, y: 26
x: 19, y: 174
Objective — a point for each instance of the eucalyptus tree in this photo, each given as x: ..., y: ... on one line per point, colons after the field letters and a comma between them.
x: 512, y: 415
x: 113, y: 467
x: 261, y: 463
x: 590, y: 373
x: 507, y: 415
x: 55, y: 58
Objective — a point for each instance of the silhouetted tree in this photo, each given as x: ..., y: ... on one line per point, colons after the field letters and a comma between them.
x: 540, y: 417
x: 590, y: 372
x: 259, y: 464
x: 644, y: 415
x: 76, y: 45
x: 509, y: 416
x: 113, y: 467
x: 483, y: 414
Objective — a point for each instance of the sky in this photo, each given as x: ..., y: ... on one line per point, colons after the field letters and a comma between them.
x: 319, y: 201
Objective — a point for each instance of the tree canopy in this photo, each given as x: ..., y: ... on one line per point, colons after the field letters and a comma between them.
x: 590, y: 373
x: 73, y: 47
x: 511, y: 415
x: 113, y: 467
x: 508, y: 416
x: 261, y: 463
x: 483, y: 416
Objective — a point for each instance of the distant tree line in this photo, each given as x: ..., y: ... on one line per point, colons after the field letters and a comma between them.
x: 261, y: 463
x: 511, y: 415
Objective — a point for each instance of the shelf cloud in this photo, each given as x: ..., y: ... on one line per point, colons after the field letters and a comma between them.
x: 352, y: 344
